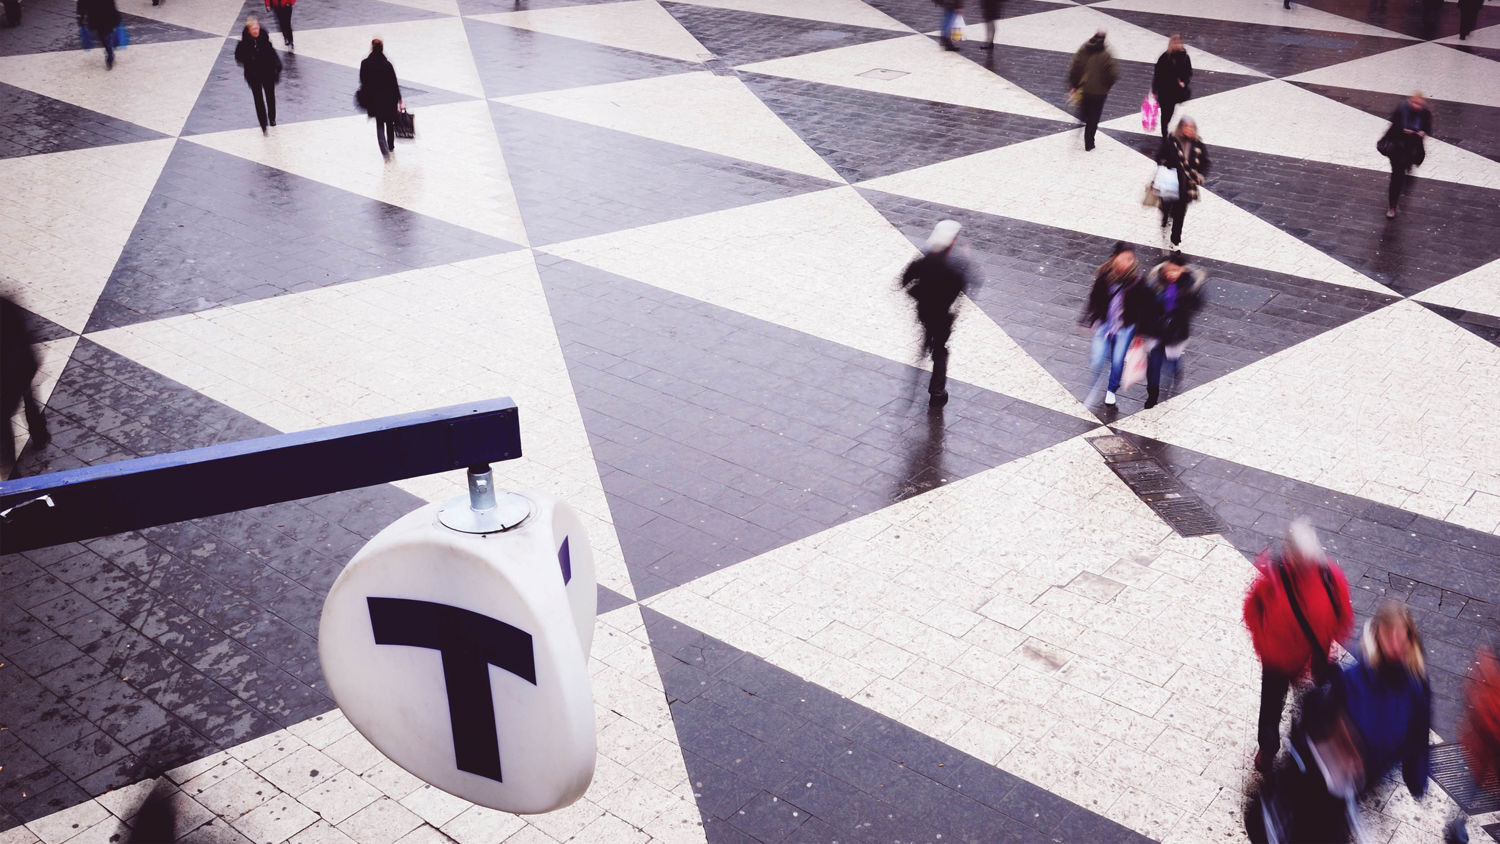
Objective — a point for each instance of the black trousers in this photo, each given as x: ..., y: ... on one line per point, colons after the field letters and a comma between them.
x: 1174, y: 212
x: 1400, y: 174
x: 936, y: 330
x: 284, y: 20
x: 13, y: 13
x: 1093, y: 109
x: 265, y: 101
x: 1273, y: 689
x: 1468, y: 16
x: 15, y: 395
x: 1168, y: 108
x: 385, y: 135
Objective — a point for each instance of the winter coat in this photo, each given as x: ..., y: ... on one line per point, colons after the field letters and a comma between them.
x: 270, y: 3
x: 1171, y: 325
x: 935, y: 281
x: 1191, y: 168
x: 98, y: 15
x: 1403, y: 147
x: 1171, y: 68
x: 1392, y: 710
x: 18, y: 363
x: 1140, y: 305
x: 262, y: 64
x: 1274, y: 631
x: 378, y: 91
x: 1480, y: 735
x: 1093, y: 68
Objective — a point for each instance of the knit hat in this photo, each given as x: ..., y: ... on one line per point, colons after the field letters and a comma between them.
x: 943, y: 235
x: 1121, y: 246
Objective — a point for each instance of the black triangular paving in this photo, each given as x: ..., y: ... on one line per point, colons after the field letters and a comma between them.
x: 772, y: 756
x: 863, y: 135
x: 1412, y: 19
x: 40, y: 329
x: 1490, y: 53
x: 1447, y: 575
x: 574, y: 180
x: 34, y: 124
x: 1465, y: 125
x: 744, y: 37
x: 1044, y: 74
x: 490, y: 7
x: 1037, y: 278
x: 1480, y: 324
x: 610, y: 600
x: 701, y: 473
x: 127, y: 656
x: 50, y: 26
x: 310, y: 89
x: 1274, y: 50
x: 220, y: 230
x: 512, y: 61
x: 326, y: 14
x: 1445, y: 229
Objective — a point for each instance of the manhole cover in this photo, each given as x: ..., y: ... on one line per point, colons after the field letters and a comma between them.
x: 883, y: 74
x: 1113, y: 447
x: 1450, y: 771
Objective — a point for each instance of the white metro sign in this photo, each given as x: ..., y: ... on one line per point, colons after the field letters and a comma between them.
x: 463, y: 655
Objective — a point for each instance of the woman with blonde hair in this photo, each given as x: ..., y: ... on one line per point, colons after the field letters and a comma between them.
x: 1387, y: 698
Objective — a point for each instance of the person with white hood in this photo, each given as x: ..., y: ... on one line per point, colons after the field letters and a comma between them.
x: 935, y: 281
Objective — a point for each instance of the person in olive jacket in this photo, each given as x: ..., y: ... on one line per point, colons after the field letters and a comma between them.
x: 1091, y: 74
x: 1184, y: 152
x: 103, y: 19
x: 1118, y: 302
x: 262, y: 69
x: 380, y: 95
x: 1174, y: 70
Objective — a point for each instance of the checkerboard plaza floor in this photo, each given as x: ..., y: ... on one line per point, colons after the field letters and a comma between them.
x: 671, y: 231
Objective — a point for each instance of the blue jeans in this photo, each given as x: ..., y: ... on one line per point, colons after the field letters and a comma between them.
x: 108, y: 40
x: 950, y: 17
x: 1112, y: 349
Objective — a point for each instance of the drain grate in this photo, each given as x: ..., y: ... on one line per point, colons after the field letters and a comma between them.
x: 1451, y: 772
x: 1160, y: 489
x: 1188, y: 516
x: 1146, y: 477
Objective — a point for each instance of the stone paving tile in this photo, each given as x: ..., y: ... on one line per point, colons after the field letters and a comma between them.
x: 512, y: 60
x: 922, y: 17
x: 1484, y: 325
x: 744, y: 37
x: 1465, y: 125
x: 31, y: 124
x: 332, y: 13
x: 52, y: 26
x: 1406, y: 18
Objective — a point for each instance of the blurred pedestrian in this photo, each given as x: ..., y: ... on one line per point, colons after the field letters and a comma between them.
x: 1184, y: 152
x: 1387, y: 698
x: 1404, y: 144
x: 1178, y: 297
x: 991, y: 11
x: 1169, y: 82
x: 1480, y: 733
x: 262, y: 69
x: 380, y: 95
x: 1091, y: 74
x: 935, y: 281
x: 952, y: 9
x: 282, y: 9
x: 18, y: 368
x: 1468, y: 17
x: 103, y: 19
x: 12, y: 13
x: 1297, y: 608
x: 1117, y: 303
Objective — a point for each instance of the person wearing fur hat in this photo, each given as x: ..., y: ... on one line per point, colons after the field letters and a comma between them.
x: 935, y: 281
x: 1178, y: 291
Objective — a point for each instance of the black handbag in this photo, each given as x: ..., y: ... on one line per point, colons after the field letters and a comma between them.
x: 406, y: 125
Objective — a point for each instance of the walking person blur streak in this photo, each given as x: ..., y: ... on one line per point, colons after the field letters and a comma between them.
x: 103, y: 19
x: 1468, y: 17
x: 951, y: 10
x: 262, y: 69
x: 1169, y: 82
x: 1092, y: 73
x: 1178, y: 297
x: 1404, y: 144
x: 1388, y: 699
x: 380, y: 95
x: 1117, y: 303
x: 282, y: 9
x: 990, y: 9
x: 1297, y: 608
x: 1184, y: 152
x: 18, y: 368
x: 935, y: 281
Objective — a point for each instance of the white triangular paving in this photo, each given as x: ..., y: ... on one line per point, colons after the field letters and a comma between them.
x: 1477, y: 290
x: 712, y: 113
x: 212, y: 17
x: 1065, y: 30
x: 1316, y: 128
x: 1300, y: 16
x: 848, y: 12
x: 67, y: 216
x: 1487, y: 37
x: 455, y: 172
x: 802, y: 263
x: 1052, y: 181
x: 151, y: 85
x: 411, y: 341
x: 639, y: 25
x: 931, y: 74
x: 442, y: 7
x: 1439, y: 72
x: 426, y: 52
x: 1403, y: 423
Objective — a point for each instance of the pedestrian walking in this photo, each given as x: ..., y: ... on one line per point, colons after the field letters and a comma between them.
x: 1178, y: 292
x: 952, y: 9
x: 1468, y: 17
x: 103, y: 19
x: 1297, y: 608
x: 282, y: 9
x: 262, y: 69
x: 1480, y: 733
x: 1174, y: 70
x: 1091, y: 74
x: 12, y: 13
x: 1117, y: 304
x: 380, y: 95
x: 18, y: 368
x: 1185, y: 153
x: 990, y: 9
x: 1404, y: 144
x: 1388, y: 699
x: 935, y: 281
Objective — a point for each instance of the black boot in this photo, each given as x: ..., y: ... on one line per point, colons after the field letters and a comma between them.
x: 1152, y: 394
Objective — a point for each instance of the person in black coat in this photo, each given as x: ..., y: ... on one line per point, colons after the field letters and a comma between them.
x: 1174, y: 70
x: 1402, y: 143
x: 1184, y: 152
x: 103, y: 19
x: 1117, y: 304
x: 262, y: 69
x: 1468, y: 17
x: 1178, y: 292
x: 380, y: 95
x: 935, y: 281
x: 18, y: 367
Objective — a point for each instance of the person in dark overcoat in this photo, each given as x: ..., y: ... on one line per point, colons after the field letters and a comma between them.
x: 103, y: 19
x: 380, y: 95
x: 1178, y: 292
x: 1184, y: 152
x: 1091, y: 73
x: 1468, y: 17
x: 262, y: 69
x: 935, y: 281
x: 1404, y: 145
x: 18, y: 368
x: 1174, y: 70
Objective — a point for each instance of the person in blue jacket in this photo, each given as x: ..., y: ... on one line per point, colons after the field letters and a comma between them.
x: 1388, y: 700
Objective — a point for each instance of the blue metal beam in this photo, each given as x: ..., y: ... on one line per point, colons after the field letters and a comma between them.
x: 101, y: 500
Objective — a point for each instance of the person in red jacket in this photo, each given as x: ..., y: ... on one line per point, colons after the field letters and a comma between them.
x: 283, y: 11
x: 1297, y: 608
